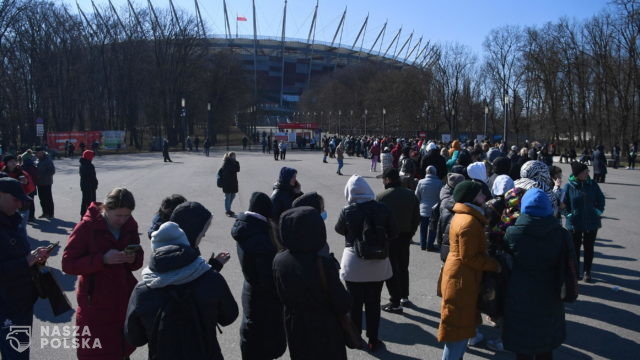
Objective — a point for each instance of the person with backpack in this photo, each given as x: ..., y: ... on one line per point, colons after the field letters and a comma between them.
x: 104, y: 250
x: 262, y: 333
x: 428, y: 192
x: 180, y: 300
x: 584, y: 204
x: 534, y: 318
x: 229, y: 174
x: 309, y: 287
x: 405, y: 208
x: 368, y: 227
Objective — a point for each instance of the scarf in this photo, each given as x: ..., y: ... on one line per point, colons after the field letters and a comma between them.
x: 179, y: 276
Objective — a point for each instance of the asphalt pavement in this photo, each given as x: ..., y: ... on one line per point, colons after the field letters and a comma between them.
x: 603, y: 324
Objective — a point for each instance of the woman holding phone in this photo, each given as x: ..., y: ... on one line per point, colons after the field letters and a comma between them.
x: 103, y: 250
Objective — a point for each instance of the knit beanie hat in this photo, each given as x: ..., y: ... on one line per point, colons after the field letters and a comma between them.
x: 535, y: 202
x: 88, y: 154
x: 466, y: 191
x: 261, y: 203
x: 169, y: 233
x: 501, y: 165
x: 577, y: 168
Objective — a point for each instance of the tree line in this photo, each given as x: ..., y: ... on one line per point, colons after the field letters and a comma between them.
x: 573, y: 82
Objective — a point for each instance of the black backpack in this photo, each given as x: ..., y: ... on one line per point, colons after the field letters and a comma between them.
x: 372, y: 244
x: 219, y: 179
x: 178, y: 321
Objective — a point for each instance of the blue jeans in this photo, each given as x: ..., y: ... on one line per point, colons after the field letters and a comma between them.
x: 454, y: 350
x: 340, y: 164
x: 424, y: 230
x: 228, y: 199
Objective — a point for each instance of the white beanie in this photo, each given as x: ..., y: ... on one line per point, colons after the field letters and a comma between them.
x: 169, y: 233
x: 357, y: 190
x: 501, y: 185
x: 432, y: 146
x: 477, y: 171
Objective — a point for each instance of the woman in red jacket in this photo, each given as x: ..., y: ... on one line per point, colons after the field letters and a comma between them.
x: 95, y: 252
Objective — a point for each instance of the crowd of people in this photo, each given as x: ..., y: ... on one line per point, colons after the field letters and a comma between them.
x: 484, y: 209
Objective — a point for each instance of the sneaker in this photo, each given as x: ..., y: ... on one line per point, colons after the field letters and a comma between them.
x: 495, y: 345
x: 587, y: 278
x: 375, y: 345
x: 474, y: 341
x: 390, y: 308
x: 406, y: 302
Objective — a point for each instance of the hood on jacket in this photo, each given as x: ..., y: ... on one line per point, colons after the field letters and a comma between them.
x: 302, y: 230
x: 246, y: 226
x: 286, y: 173
x: 84, y: 161
x: 431, y: 170
x: 477, y: 171
x: 94, y: 215
x: 501, y: 166
x: 311, y: 199
x: 192, y: 217
x: 535, y: 202
x: 260, y: 203
x: 501, y: 185
x: 464, y: 158
x: 357, y: 190
x: 172, y: 257
x: 454, y: 179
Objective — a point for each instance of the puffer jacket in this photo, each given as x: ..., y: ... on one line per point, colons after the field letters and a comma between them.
x: 446, y: 213
x: 428, y: 193
x: 584, y: 203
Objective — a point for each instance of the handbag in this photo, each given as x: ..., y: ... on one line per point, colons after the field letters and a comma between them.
x: 352, y: 337
x: 569, y: 272
x: 47, y: 287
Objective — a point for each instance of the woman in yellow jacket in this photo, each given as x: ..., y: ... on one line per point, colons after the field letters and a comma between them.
x: 462, y: 273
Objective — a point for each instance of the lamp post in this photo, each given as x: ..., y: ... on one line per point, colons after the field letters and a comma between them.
x: 384, y: 112
x: 506, y: 112
x: 365, y: 121
x: 486, y: 112
x: 183, y: 116
x: 351, y: 120
x: 209, y: 124
x: 339, y: 121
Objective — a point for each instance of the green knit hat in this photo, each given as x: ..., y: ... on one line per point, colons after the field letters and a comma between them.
x: 466, y: 191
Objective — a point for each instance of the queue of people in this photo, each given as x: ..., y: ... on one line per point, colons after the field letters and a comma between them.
x: 464, y: 200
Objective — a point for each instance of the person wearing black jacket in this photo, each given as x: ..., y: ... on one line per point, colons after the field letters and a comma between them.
x: 17, y: 292
x: 434, y: 158
x: 88, y: 180
x: 165, y: 150
x: 262, y: 335
x: 313, y: 300
x: 180, y: 300
x: 599, y: 165
x: 285, y: 191
x: 230, y: 170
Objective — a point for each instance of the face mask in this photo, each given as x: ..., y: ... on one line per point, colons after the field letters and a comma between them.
x: 324, y: 215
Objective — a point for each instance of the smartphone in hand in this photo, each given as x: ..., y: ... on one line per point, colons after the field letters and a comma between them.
x: 132, y: 249
x: 51, y: 247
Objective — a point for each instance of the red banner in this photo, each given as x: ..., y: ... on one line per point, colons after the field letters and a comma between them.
x: 298, y: 126
x: 57, y: 140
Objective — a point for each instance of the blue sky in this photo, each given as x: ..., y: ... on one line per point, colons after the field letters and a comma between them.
x: 463, y: 21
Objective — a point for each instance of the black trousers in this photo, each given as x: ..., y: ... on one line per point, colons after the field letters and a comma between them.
x: 599, y: 178
x: 276, y: 155
x: 165, y: 154
x: 88, y: 196
x: 541, y: 356
x: 367, y: 294
x: 398, y: 284
x: 32, y: 206
x: 46, y: 199
x: 283, y: 154
x: 588, y: 238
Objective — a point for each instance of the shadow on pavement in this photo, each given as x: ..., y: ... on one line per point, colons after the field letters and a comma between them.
x: 612, y: 183
x: 55, y: 226
x: 600, y: 255
x: 605, y: 344
x: 42, y: 309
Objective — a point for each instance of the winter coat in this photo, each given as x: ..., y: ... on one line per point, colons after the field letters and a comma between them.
x: 209, y: 296
x: 462, y: 275
x: 310, y: 312
x: 584, y: 203
x: 230, y: 170
x: 103, y: 290
x: 446, y: 213
x: 534, y: 319
x: 46, y: 170
x: 17, y: 293
x: 375, y: 149
x: 387, y: 161
x: 262, y: 329
x: 88, y: 179
x: 395, y: 153
x: 493, y: 154
x: 434, y: 158
x: 27, y: 188
x: 351, y: 224
x: 599, y: 161
x: 405, y: 208
x: 428, y: 193
x: 283, y: 195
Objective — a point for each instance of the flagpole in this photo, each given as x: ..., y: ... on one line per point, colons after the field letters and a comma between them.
x: 236, y: 25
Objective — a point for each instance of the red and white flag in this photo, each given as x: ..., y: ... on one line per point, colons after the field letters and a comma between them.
x: 241, y: 18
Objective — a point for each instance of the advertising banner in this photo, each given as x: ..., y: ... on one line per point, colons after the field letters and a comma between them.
x: 57, y: 140
x: 280, y: 136
x: 446, y: 138
x: 113, y: 140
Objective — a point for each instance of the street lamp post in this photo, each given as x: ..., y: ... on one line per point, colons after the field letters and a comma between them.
x: 183, y: 115
x: 384, y: 112
x: 365, y: 121
x: 506, y: 112
x: 209, y: 123
x: 351, y: 120
x: 339, y: 121
x: 486, y: 112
